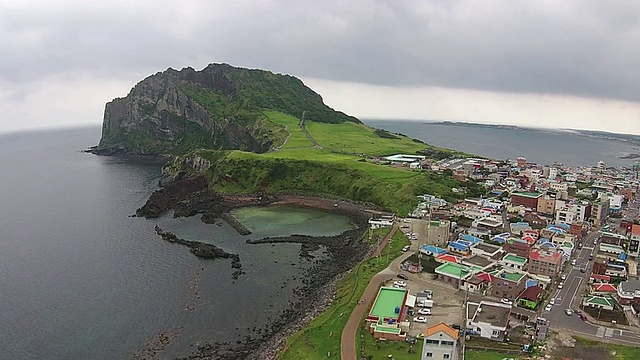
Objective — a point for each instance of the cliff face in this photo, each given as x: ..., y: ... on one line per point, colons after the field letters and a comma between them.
x: 219, y: 107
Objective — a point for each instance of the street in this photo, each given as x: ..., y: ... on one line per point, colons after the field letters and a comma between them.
x: 570, y: 298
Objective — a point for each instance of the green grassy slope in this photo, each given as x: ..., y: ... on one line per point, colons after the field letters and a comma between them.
x: 298, y: 167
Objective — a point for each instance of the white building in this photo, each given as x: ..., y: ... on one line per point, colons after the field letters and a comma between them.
x: 488, y: 319
x: 440, y: 343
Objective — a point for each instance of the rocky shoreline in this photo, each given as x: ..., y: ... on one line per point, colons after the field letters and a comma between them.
x: 191, y: 196
x: 202, y: 250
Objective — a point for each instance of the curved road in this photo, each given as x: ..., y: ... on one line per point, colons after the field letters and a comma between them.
x: 348, y: 338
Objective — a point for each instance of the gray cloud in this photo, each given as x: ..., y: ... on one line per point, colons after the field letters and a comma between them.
x: 573, y: 48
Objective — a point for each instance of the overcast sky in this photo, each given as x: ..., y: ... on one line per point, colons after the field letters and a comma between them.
x: 572, y: 64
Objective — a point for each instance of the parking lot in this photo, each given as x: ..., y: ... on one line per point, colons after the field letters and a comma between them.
x: 447, y: 302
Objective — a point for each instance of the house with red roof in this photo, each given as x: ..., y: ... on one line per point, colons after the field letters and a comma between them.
x: 478, y: 283
x: 530, y: 297
x: 447, y: 258
x: 603, y: 288
x: 440, y: 342
x: 544, y: 262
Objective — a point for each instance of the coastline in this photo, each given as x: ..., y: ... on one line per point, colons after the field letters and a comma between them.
x: 189, y: 197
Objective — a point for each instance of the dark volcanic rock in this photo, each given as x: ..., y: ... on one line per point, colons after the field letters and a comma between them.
x: 199, y: 249
x: 187, y: 197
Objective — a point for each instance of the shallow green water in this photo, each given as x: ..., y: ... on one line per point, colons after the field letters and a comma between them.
x: 279, y: 220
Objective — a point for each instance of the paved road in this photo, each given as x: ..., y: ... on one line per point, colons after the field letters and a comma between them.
x: 348, y: 338
x: 570, y: 296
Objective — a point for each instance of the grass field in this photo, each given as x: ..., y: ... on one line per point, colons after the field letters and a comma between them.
x: 622, y: 352
x: 399, y: 350
x: 360, y: 139
x: 321, y: 339
x: 297, y: 138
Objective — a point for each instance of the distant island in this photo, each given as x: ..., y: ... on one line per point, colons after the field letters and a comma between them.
x: 627, y: 138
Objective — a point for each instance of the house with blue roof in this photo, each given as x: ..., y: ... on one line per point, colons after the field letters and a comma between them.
x: 469, y: 238
x: 460, y: 248
x: 432, y: 250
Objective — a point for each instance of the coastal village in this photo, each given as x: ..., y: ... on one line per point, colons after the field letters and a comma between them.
x: 551, y: 252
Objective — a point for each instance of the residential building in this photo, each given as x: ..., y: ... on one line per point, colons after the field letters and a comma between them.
x: 559, y: 238
x: 508, y: 284
x: 530, y: 297
x: 599, y: 213
x: 526, y: 199
x: 478, y: 283
x: 609, y: 264
x: 634, y: 241
x: 544, y: 262
x: 603, y: 288
x: 546, y: 204
x: 490, y: 320
x: 514, y: 262
x: 453, y: 274
x: 604, y: 302
x: 612, y: 239
x: 438, y: 233
x: 487, y: 250
x: 517, y: 246
x: 440, y: 343
x: 459, y: 247
x: 629, y: 292
x: 478, y: 262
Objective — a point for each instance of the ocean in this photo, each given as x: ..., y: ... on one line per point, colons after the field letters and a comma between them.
x: 539, y: 146
x: 82, y: 279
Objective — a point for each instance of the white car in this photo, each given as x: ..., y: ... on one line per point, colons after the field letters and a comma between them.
x: 424, y: 311
x: 420, y: 319
x: 563, y: 277
x: 400, y: 283
x: 552, y: 302
x: 568, y: 312
x: 560, y: 285
x: 548, y: 308
x: 506, y: 301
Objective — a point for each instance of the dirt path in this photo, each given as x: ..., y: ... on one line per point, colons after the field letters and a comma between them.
x: 304, y: 129
x: 348, y: 339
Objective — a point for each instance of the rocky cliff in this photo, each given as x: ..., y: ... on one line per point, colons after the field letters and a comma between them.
x: 219, y: 107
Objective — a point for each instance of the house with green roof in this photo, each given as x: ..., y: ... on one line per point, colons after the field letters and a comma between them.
x: 508, y: 284
x: 514, y: 262
x: 453, y: 274
x: 605, y: 302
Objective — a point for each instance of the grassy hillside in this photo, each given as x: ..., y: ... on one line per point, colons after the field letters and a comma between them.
x: 299, y: 167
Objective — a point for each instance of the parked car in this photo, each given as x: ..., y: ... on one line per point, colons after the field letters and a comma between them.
x: 568, y: 312
x: 428, y: 293
x: 400, y: 283
x: 560, y: 285
x: 420, y: 319
x: 583, y: 317
x: 506, y: 301
x: 456, y: 326
x: 424, y: 311
x: 403, y: 277
x: 574, y: 262
x: 548, y: 307
x: 583, y: 269
x: 563, y: 277
x: 590, y: 257
x: 411, y: 340
x: 552, y: 302
x: 405, y: 248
